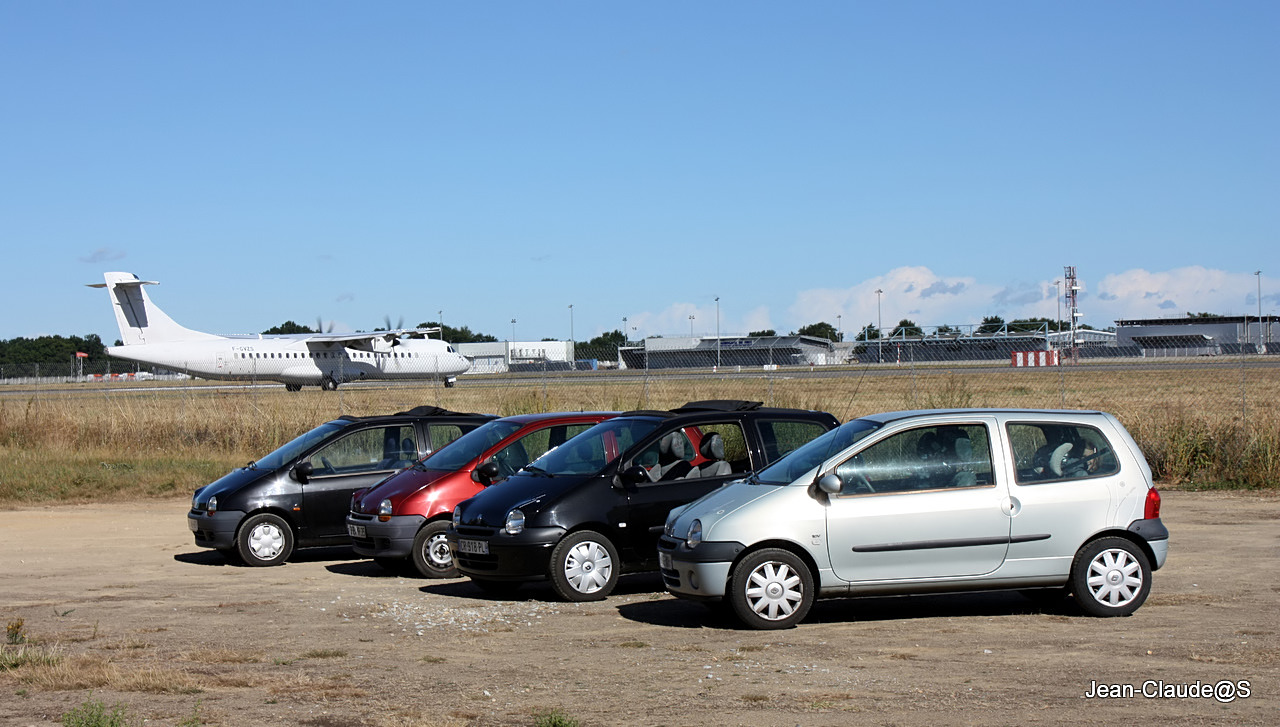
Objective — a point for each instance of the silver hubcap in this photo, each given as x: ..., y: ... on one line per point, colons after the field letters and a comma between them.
x: 774, y: 591
x: 266, y: 540
x: 436, y: 552
x: 1115, y: 577
x: 588, y: 567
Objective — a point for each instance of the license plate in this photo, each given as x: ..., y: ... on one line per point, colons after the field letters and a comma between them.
x: 665, y: 562
x: 474, y: 547
x: 193, y: 525
x: 355, y: 531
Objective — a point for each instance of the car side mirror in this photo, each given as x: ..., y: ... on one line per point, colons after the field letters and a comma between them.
x: 302, y: 471
x: 634, y: 475
x: 830, y: 484
x: 486, y: 473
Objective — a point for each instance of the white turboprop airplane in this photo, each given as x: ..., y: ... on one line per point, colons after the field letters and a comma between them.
x: 307, y: 359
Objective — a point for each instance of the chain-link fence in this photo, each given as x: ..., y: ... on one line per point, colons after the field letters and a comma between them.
x: 1205, y: 418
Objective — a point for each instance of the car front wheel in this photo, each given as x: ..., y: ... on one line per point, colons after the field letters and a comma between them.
x: 1110, y: 577
x: 584, y: 566
x: 431, y: 555
x: 264, y: 539
x: 771, y: 589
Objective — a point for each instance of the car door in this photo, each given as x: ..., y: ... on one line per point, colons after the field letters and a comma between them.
x: 924, y: 502
x: 1065, y: 475
x: 648, y: 503
x: 358, y: 458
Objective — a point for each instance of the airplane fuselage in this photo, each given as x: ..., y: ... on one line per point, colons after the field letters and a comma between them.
x: 299, y: 362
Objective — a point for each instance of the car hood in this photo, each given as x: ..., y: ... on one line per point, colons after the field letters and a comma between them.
x: 715, y: 505
x: 397, y: 486
x: 490, y: 507
x: 234, y: 482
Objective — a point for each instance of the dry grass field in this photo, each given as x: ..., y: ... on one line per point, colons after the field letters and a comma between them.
x: 1200, y: 424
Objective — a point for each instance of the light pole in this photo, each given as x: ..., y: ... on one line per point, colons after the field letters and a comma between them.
x: 690, y: 326
x: 879, y: 329
x: 839, y: 329
x: 513, y: 330
x: 624, y: 330
x: 571, y: 341
x: 717, y: 332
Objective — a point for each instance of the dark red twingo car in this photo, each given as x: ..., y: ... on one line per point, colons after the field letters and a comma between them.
x: 594, y: 507
x: 401, y: 521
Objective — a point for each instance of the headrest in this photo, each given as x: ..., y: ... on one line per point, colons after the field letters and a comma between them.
x: 712, y: 446
x: 677, y: 445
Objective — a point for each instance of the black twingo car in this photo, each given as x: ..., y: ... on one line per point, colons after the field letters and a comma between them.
x: 299, y: 495
x: 595, y: 506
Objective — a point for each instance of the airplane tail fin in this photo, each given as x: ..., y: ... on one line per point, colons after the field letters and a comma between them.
x: 139, y: 319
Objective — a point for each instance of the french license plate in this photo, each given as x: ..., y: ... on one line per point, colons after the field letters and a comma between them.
x: 474, y: 547
x: 355, y: 531
x: 665, y: 561
x: 193, y: 525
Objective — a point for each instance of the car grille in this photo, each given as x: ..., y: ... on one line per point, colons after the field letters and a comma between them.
x: 476, y: 531
x: 670, y: 578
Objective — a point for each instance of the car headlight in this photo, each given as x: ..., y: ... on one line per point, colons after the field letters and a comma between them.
x: 457, y: 516
x: 195, y: 501
x: 211, y: 506
x: 695, y: 534
x: 515, y: 522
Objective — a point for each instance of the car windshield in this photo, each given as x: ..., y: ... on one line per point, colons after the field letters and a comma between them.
x: 791, y: 467
x: 467, y: 447
x: 594, y: 449
x: 294, y: 449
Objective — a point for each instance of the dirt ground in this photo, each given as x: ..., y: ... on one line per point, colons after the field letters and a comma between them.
x: 140, y: 617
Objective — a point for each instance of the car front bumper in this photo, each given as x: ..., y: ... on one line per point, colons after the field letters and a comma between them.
x: 700, y: 573
x: 390, y: 539
x: 522, y: 557
x: 217, y: 530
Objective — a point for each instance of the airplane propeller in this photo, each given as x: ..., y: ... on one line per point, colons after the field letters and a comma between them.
x: 320, y: 326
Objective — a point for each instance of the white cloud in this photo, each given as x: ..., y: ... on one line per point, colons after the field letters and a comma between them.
x: 1171, y: 293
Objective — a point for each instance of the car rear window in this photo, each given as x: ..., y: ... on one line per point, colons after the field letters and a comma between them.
x: 1054, y: 452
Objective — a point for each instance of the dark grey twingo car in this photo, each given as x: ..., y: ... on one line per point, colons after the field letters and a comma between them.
x: 299, y: 495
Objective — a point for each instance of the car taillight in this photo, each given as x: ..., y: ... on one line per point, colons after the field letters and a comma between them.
x: 1152, y: 509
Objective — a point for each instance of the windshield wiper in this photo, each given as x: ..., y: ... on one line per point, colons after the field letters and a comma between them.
x: 536, y: 471
x: 253, y: 465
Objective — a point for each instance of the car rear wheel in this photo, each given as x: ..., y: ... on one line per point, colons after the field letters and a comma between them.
x: 1110, y: 577
x: 431, y: 556
x: 584, y: 566
x: 264, y: 539
x: 771, y: 589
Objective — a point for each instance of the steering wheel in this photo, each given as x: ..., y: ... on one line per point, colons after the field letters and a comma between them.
x: 325, y: 461
x: 858, y: 484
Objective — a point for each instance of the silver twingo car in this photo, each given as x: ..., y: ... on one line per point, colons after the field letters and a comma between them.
x: 927, y: 502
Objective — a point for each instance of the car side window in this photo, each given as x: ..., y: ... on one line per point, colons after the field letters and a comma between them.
x: 951, y: 456
x: 442, y: 434
x: 1053, y: 452
x: 669, y: 458
x: 367, y: 450
x: 781, y: 438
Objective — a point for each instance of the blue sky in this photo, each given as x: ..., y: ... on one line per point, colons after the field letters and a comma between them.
x: 499, y: 160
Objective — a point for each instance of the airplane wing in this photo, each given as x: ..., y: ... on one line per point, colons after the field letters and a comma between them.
x: 390, y: 336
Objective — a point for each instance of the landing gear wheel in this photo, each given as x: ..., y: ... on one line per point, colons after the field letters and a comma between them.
x: 328, y: 384
x: 497, y: 589
x: 293, y: 387
x: 771, y: 589
x: 1110, y: 577
x: 584, y: 566
x: 264, y: 539
x: 431, y: 556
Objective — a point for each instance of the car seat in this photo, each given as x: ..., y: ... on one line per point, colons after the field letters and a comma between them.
x: 712, y: 448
